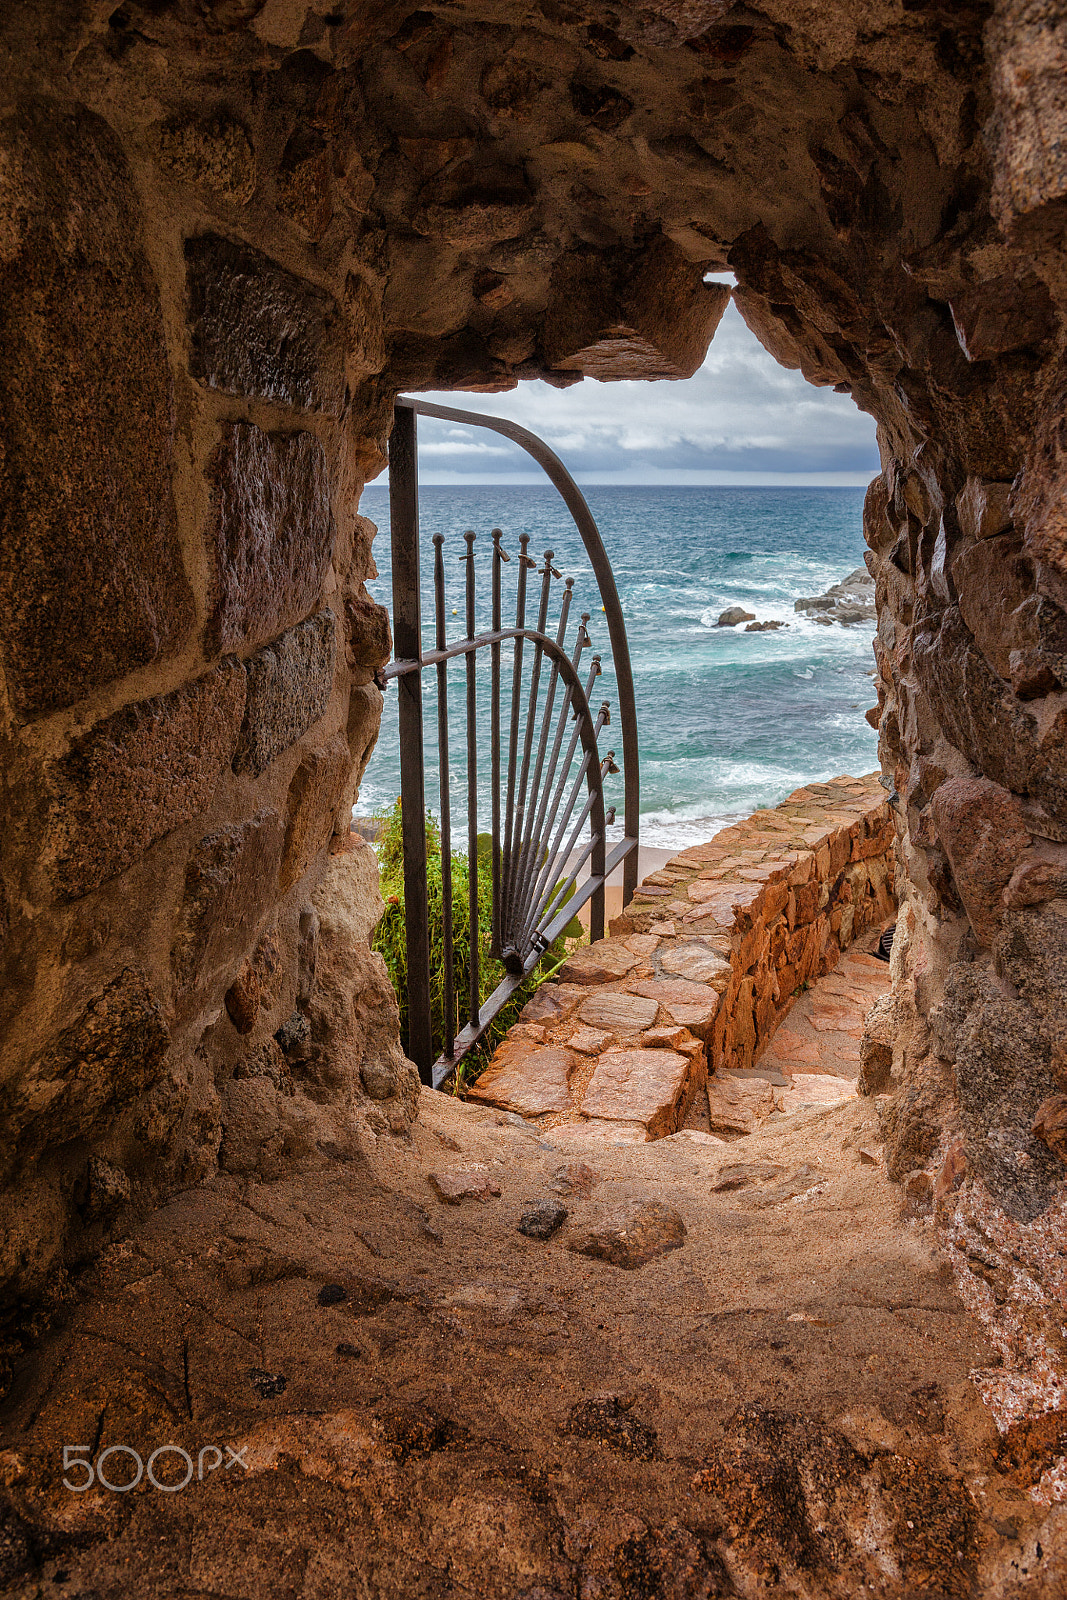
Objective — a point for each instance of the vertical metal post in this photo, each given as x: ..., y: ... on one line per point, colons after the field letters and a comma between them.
x: 407, y: 644
x: 494, y: 722
x: 448, y: 999
x: 510, y: 839
x: 472, y: 791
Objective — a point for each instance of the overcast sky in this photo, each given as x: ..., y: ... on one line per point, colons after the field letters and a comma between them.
x: 742, y: 419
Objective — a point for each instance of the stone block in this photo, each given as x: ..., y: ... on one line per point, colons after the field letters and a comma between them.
x: 657, y: 325
x: 596, y: 1133
x: 92, y: 583
x: 314, y: 795
x: 1002, y: 314
x: 542, y: 1219
x: 805, y: 903
x: 138, y: 774
x: 982, y: 509
x: 1027, y: 53
x: 457, y: 1184
x: 550, y: 1004
x: 1002, y: 1075
x: 738, y: 1105
x: 653, y: 1087
x: 590, y: 1041
x: 531, y: 1083
x: 993, y: 578
x: 259, y: 331
x: 230, y: 884
x: 213, y: 152
x: 840, y: 850
x: 699, y: 962
x: 1050, y: 1125
x: 102, y: 1062
x: 982, y: 831
x: 631, y: 1234
x: 289, y: 686
x: 603, y: 962
x: 303, y: 184
x: 369, y: 642
x: 815, y: 1089
x: 258, y: 985
x: 619, y: 1013
x: 271, y: 534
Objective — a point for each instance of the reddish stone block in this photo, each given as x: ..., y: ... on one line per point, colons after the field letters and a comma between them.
x: 311, y: 807
x: 92, y: 583
x: 271, y: 534
x: 981, y: 828
x: 102, y: 1062
x: 289, y: 687
x: 530, y: 1083
x: 230, y: 884
x: 138, y: 774
x: 257, y: 330
x: 806, y: 902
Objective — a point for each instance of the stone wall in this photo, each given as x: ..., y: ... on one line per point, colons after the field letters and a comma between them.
x: 187, y: 654
x: 230, y: 231
x: 701, y: 968
x: 779, y: 896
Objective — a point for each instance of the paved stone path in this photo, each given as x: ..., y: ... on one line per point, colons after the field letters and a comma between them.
x: 678, y: 1019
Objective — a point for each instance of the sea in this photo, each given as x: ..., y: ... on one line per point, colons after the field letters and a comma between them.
x: 728, y: 721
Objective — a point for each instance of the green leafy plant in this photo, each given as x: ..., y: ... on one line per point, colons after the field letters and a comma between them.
x: 391, y: 943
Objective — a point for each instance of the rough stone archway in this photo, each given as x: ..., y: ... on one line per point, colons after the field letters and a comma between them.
x: 231, y: 231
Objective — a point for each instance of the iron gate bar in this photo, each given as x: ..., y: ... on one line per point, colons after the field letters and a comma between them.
x: 407, y: 641
x: 531, y: 905
x: 472, y: 793
x: 576, y: 504
x: 409, y: 670
x: 449, y: 995
x: 469, y: 1036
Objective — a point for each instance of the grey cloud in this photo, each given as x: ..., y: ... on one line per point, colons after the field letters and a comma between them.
x: 741, y: 414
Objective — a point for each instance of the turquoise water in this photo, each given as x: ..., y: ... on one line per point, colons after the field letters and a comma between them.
x: 727, y: 721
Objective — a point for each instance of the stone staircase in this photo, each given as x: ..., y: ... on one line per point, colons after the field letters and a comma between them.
x: 662, y: 1024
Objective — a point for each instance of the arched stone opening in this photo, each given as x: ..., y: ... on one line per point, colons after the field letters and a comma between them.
x: 231, y: 233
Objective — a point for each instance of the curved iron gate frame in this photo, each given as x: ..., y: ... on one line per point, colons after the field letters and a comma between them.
x: 407, y: 665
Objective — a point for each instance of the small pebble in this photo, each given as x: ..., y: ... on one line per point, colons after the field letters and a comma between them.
x: 266, y: 1384
x: 540, y: 1220
x: 331, y: 1294
x: 345, y: 1349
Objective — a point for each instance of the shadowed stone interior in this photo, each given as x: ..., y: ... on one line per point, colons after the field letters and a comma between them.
x: 230, y: 233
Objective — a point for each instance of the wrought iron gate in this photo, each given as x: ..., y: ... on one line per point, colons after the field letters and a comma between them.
x: 543, y: 832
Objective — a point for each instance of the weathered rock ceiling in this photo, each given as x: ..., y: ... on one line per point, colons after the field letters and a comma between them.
x: 536, y: 190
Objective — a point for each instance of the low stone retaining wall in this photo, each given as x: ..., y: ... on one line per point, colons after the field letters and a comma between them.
x: 702, y: 966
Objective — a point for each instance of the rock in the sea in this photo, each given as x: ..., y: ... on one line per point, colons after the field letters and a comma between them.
x: 632, y: 1234
x: 851, y: 600
x: 765, y: 627
x: 733, y: 615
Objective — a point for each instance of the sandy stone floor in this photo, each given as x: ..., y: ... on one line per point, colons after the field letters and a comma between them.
x: 385, y: 1395
x: 822, y: 1032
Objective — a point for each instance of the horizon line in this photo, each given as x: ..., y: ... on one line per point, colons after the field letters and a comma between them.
x: 622, y: 480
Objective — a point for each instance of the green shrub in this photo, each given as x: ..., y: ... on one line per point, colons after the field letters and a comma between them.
x: 390, y: 939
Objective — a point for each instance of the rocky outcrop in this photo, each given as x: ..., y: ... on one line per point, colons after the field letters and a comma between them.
x: 851, y: 600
